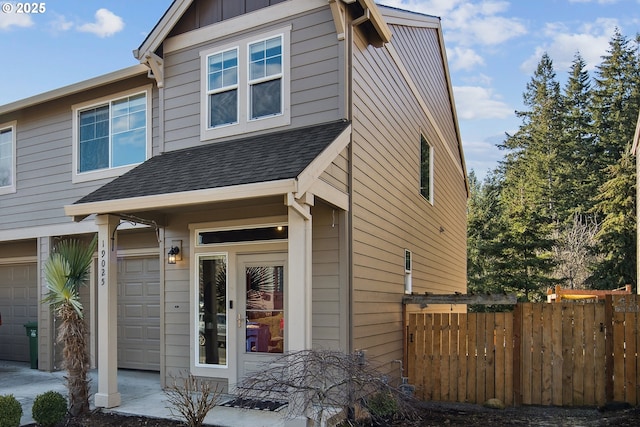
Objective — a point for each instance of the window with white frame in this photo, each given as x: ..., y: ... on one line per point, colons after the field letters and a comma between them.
x: 408, y: 282
x: 246, y: 85
x: 8, y: 158
x: 426, y: 169
x: 111, y: 134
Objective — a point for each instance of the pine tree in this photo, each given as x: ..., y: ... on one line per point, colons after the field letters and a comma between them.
x: 616, y: 105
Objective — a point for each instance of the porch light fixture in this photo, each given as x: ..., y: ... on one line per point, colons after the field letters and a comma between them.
x: 174, y: 253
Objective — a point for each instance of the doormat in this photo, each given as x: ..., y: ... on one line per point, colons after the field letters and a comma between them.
x: 258, y: 404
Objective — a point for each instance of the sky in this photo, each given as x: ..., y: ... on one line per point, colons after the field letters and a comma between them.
x: 492, y: 46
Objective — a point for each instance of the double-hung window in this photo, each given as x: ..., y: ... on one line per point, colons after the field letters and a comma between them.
x: 8, y: 158
x: 111, y: 135
x: 246, y: 85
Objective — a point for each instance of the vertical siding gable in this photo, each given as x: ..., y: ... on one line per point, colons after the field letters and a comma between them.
x: 206, y: 12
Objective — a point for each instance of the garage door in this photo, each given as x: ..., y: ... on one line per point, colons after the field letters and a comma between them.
x: 18, y: 305
x: 139, y: 313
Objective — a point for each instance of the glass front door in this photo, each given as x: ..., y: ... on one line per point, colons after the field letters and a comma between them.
x: 261, y: 318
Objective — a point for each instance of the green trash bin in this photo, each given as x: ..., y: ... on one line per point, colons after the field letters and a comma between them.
x: 32, y: 333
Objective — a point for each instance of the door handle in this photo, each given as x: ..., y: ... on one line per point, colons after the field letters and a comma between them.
x: 241, y: 320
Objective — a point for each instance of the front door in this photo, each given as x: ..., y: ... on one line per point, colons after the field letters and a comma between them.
x: 261, y: 309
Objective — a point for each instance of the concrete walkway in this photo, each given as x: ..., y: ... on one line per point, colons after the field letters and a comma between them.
x: 140, y: 391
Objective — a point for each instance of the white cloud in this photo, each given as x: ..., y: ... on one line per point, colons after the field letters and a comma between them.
x: 591, y: 40
x: 107, y: 24
x: 474, y: 102
x: 461, y: 58
x: 60, y: 24
x: 11, y: 20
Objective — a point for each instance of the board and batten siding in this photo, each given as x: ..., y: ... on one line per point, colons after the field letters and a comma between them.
x: 388, y: 212
x: 44, y: 159
x: 316, y: 90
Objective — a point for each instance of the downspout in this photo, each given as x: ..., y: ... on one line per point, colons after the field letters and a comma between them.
x: 349, y: 226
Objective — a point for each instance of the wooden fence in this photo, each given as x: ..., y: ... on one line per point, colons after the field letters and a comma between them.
x: 561, y: 354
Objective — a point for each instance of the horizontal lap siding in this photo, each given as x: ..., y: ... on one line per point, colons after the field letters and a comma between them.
x: 44, y: 160
x: 315, y: 90
x: 389, y: 214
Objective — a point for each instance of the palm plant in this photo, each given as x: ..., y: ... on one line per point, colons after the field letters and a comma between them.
x: 68, y: 268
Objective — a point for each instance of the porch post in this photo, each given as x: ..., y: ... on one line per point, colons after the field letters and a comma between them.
x: 298, y: 325
x: 107, y: 395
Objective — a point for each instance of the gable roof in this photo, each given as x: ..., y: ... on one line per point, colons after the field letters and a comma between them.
x: 173, y: 14
x: 273, y: 157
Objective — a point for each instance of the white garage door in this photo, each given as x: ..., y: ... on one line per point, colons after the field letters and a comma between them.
x: 139, y: 313
x: 18, y: 305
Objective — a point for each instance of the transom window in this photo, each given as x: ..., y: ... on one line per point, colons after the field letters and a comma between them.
x: 7, y: 159
x: 111, y: 134
x: 246, y: 85
x: 426, y: 169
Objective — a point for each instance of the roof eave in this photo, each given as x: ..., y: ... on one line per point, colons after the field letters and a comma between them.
x: 162, y: 29
x: 74, y: 88
x: 188, y: 198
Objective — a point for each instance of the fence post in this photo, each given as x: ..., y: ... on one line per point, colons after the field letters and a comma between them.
x: 517, y: 354
x: 608, y: 346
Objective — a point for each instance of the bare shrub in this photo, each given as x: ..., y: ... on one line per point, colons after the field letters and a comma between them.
x: 192, y: 398
x: 316, y: 382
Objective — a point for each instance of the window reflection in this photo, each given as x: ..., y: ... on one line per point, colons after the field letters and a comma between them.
x: 212, y: 314
x: 265, y: 309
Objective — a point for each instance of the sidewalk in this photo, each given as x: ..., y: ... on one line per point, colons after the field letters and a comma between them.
x: 140, y: 391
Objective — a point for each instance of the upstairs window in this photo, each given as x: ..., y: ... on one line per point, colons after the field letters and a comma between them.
x: 110, y: 135
x: 265, y: 78
x: 246, y: 85
x: 222, y: 89
x: 426, y: 169
x: 8, y: 158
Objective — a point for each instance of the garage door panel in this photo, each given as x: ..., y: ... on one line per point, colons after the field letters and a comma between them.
x: 139, y: 313
x: 18, y: 305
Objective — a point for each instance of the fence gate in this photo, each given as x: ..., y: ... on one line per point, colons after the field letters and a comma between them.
x: 561, y: 354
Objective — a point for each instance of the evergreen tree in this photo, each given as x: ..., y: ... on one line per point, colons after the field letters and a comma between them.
x: 616, y: 105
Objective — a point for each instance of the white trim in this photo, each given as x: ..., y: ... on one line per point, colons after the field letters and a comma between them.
x: 312, y: 172
x: 236, y: 224
x: 229, y: 27
x: 83, y: 86
x: 244, y: 123
x: 408, y: 19
x: 66, y: 229
x: 330, y: 194
x: 9, y: 189
x: 109, y: 172
x: 168, y: 200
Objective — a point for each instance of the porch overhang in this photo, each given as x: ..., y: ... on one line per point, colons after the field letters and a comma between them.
x: 187, y: 198
x: 288, y: 162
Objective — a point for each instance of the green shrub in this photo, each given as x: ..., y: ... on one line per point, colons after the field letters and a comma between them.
x: 10, y: 411
x: 49, y: 408
x: 382, y: 406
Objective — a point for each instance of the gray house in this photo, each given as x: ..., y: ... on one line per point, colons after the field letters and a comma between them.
x: 274, y: 175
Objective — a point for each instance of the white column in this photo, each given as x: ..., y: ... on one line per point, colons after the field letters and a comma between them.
x: 299, y: 291
x: 107, y: 395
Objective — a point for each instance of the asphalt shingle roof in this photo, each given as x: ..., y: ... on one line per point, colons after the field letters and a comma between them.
x: 263, y: 158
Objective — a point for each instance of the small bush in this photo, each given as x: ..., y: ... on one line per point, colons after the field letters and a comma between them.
x: 192, y: 399
x: 382, y: 406
x: 49, y: 408
x: 10, y: 411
